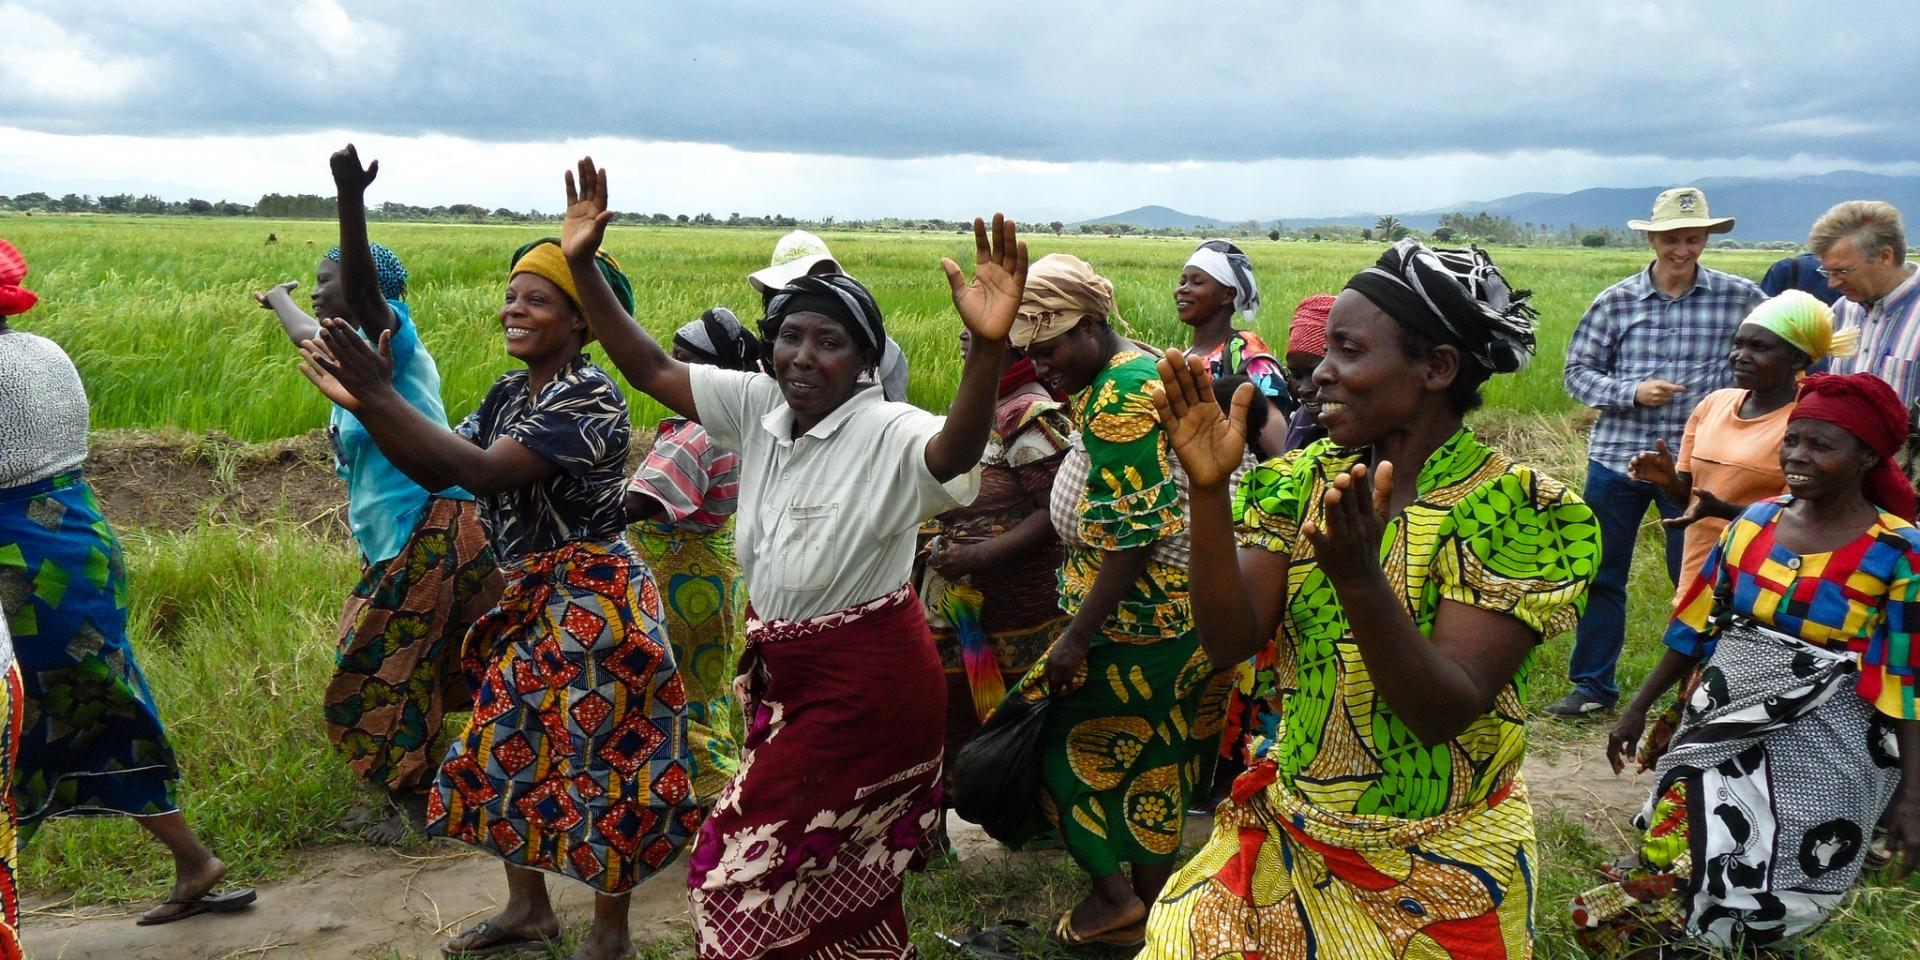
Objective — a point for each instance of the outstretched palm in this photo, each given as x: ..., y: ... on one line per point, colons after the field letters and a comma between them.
x: 988, y: 303
x: 1210, y: 443
x: 587, y: 214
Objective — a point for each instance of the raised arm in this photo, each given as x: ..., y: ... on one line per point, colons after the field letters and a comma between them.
x: 359, y: 278
x: 1235, y: 615
x: 295, y: 321
x: 987, y: 306
x: 638, y: 356
x: 352, y: 374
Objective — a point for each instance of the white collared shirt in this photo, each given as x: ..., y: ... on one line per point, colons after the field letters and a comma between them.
x: 826, y: 520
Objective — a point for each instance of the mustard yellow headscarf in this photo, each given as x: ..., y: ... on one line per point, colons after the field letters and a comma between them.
x: 1799, y: 318
x: 543, y: 258
x: 1061, y: 290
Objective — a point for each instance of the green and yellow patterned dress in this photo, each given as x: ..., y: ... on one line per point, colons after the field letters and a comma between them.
x: 1130, y: 742
x: 1350, y: 838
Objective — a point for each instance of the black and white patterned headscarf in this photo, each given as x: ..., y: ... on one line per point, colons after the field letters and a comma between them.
x: 1453, y: 296
x: 1230, y: 265
x: 835, y: 295
x: 717, y: 338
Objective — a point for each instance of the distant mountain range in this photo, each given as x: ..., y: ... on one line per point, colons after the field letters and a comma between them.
x: 1765, y: 208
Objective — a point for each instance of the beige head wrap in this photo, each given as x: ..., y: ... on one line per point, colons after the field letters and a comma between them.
x: 1062, y: 290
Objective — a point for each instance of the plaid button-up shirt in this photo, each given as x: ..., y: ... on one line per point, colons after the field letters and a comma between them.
x: 1889, y: 337
x: 1633, y: 332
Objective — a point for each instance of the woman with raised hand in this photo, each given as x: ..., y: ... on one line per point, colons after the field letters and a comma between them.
x: 679, y: 506
x: 93, y: 744
x: 1407, y: 572
x: 838, y: 787
x: 1804, y: 718
x: 1128, y: 738
x: 426, y: 570
x: 574, y: 761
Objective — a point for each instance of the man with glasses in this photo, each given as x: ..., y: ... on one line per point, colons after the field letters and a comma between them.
x: 1863, y: 253
x: 1647, y: 350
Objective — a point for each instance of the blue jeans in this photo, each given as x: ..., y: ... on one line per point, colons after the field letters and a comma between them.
x: 1619, y: 504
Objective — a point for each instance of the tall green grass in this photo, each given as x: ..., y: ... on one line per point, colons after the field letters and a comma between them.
x: 156, y: 312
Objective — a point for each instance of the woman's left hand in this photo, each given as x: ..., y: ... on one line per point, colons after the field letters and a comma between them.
x: 955, y: 560
x: 1348, y: 548
x: 343, y: 356
x: 988, y: 303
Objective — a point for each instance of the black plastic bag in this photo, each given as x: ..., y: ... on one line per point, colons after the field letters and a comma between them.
x: 996, y: 774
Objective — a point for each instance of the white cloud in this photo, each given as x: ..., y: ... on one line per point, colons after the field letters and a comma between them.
x: 43, y: 62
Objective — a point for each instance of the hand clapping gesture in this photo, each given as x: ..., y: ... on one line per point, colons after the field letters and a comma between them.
x: 988, y: 303
x: 346, y: 368
x: 587, y: 216
x: 1210, y: 445
x: 1347, y: 541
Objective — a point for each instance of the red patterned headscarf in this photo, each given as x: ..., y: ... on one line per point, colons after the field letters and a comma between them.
x: 1308, y: 332
x: 14, y: 298
x: 1863, y: 405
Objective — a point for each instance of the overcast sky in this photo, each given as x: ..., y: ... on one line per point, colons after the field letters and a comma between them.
x: 1047, y: 110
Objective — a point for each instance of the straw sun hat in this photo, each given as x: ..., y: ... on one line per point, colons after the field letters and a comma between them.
x: 1682, y: 208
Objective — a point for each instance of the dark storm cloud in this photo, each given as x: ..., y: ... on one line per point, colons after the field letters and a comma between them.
x: 1047, y: 81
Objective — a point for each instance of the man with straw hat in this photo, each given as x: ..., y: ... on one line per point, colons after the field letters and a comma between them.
x: 1647, y: 350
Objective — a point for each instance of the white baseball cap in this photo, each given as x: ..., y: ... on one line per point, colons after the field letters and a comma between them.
x: 798, y: 254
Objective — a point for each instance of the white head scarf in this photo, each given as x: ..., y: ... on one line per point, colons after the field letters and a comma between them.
x: 1226, y: 263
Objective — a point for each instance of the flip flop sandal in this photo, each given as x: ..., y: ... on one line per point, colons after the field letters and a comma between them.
x: 227, y: 902
x: 1128, y: 936
x: 493, y: 941
x: 1002, y: 941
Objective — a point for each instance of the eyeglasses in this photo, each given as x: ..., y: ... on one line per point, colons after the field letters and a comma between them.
x: 1840, y: 274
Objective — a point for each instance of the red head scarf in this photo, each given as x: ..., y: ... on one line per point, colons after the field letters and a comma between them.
x: 1308, y: 334
x: 1863, y: 405
x: 14, y: 298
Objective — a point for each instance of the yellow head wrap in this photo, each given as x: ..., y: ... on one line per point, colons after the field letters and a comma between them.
x: 1061, y: 290
x: 1799, y: 318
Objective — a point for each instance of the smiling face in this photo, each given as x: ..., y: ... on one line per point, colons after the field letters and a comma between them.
x: 1069, y: 362
x: 1676, y: 251
x: 1300, y: 367
x: 1861, y: 279
x: 539, y: 321
x: 1822, y: 460
x: 327, y: 297
x: 1367, y: 386
x: 1199, y: 297
x: 1762, y: 361
x: 818, y: 364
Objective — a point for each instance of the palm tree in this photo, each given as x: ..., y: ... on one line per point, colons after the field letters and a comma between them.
x: 1389, y: 228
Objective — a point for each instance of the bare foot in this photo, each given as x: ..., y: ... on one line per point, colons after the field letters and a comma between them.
x: 405, y: 814
x: 357, y: 817
x: 597, y: 945
x: 189, y: 884
x: 1098, y: 917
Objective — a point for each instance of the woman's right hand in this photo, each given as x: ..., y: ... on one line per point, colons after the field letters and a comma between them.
x: 1210, y: 445
x: 585, y: 226
x: 261, y: 296
x: 1625, y: 737
x: 1654, y: 466
x: 1065, y: 659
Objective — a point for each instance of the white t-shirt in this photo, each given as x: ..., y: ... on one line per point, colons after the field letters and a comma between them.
x: 828, y: 520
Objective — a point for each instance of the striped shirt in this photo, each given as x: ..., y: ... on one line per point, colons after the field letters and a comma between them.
x: 696, y: 482
x: 1889, y: 337
x: 1634, y: 332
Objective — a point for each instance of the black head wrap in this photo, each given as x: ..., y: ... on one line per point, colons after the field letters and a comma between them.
x: 834, y: 295
x: 717, y: 338
x: 1453, y: 296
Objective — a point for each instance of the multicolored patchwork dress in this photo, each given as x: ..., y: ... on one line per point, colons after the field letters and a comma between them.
x: 427, y: 572
x: 1786, y: 755
x: 91, y: 741
x: 690, y: 550
x: 1352, y: 839
x: 995, y: 624
x: 575, y: 759
x: 1133, y: 738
